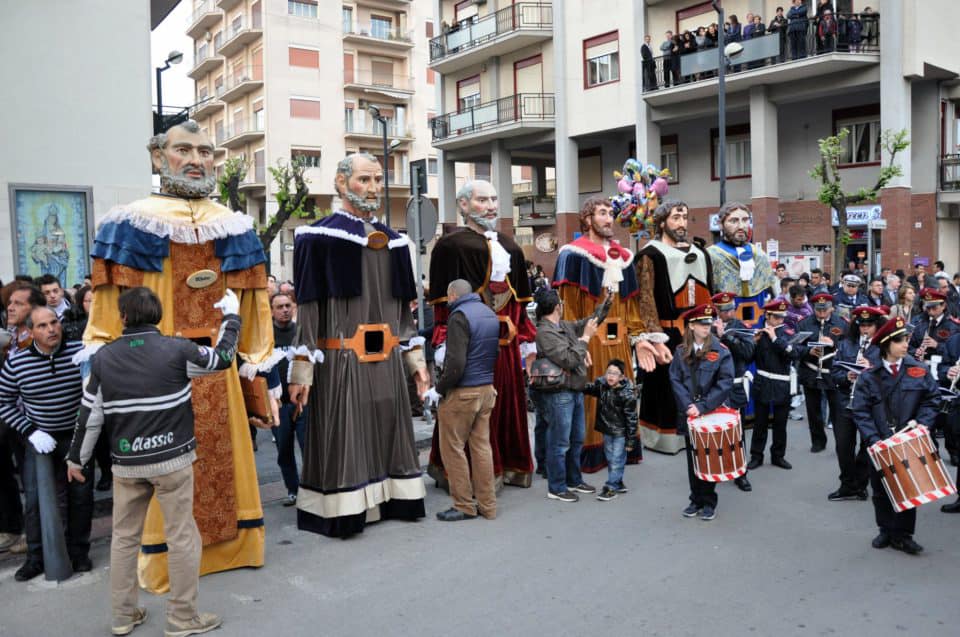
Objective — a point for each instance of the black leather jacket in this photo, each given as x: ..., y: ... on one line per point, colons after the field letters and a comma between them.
x: 616, y: 407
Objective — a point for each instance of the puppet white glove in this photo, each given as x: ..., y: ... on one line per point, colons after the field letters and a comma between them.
x: 439, y: 354
x: 229, y: 304
x: 431, y: 398
x: 42, y: 441
x: 248, y: 371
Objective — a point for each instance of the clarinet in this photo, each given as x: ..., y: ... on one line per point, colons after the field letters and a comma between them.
x: 864, y: 341
x: 923, y: 349
x: 946, y: 406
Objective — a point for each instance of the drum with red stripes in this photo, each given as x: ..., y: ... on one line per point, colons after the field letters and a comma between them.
x: 912, y: 471
x: 716, y: 444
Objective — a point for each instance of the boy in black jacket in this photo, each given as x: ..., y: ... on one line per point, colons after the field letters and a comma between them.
x: 617, y: 421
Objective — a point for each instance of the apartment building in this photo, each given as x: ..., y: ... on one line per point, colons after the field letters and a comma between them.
x: 279, y: 79
x: 558, y: 88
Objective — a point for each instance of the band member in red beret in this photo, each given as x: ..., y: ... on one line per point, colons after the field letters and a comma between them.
x: 701, y: 375
x: 775, y: 384
x: 813, y: 371
x: 886, y: 398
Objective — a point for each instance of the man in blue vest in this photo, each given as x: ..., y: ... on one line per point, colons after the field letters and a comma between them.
x: 466, y: 395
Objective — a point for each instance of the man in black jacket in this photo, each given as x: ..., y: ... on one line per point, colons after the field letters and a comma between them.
x: 466, y: 385
x: 139, y: 385
x: 648, y: 65
x: 816, y: 357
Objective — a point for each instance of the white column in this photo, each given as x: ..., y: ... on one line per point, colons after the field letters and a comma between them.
x: 447, y: 186
x: 567, y: 167
x: 647, y: 132
x: 895, y: 98
x: 764, y: 155
x: 501, y: 177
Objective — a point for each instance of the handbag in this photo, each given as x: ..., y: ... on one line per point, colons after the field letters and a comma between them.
x: 545, y: 375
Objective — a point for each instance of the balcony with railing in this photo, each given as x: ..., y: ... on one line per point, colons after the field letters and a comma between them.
x: 241, y: 132
x: 242, y: 81
x: 255, y: 179
x: 508, y: 116
x: 950, y: 173
x: 474, y: 41
x: 227, y: 5
x: 535, y: 209
x: 766, y: 60
x: 374, y: 130
x: 378, y: 33
x: 205, y: 107
x: 205, y: 16
x: 207, y: 60
x: 241, y: 33
x: 400, y: 86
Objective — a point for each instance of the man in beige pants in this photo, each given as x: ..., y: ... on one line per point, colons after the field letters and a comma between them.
x: 468, y: 396
x: 140, y: 386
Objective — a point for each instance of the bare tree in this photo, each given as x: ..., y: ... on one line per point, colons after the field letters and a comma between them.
x: 831, y: 191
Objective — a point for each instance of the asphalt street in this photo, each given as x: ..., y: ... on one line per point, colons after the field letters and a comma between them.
x: 781, y: 560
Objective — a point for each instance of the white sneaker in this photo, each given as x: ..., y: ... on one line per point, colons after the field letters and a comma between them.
x: 7, y: 540
x: 202, y: 623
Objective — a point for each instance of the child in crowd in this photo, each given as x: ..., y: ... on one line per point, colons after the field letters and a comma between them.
x: 617, y: 421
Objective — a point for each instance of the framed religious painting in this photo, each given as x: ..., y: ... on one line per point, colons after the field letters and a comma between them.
x: 51, y: 230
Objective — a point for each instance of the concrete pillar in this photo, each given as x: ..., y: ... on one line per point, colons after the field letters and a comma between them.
x: 567, y: 166
x: 502, y: 179
x: 765, y: 188
x: 896, y: 105
x: 447, y: 187
x: 538, y: 180
x: 647, y: 132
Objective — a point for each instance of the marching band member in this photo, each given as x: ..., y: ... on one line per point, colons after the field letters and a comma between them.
x: 928, y: 342
x: 813, y: 372
x: 948, y: 374
x: 733, y: 333
x: 701, y: 375
x: 855, y: 348
x: 774, y: 386
x: 886, y: 398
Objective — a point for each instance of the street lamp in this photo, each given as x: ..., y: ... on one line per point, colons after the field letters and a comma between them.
x: 174, y: 57
x: 387, y: 147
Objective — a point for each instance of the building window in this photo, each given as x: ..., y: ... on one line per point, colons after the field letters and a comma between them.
x: 738, y: 152
x: 305, y: 58
x: 669, y: 159
x: 380, y: 27
x: 310, y: 158
x: 306, y: 108
x: 468, y: 93
x: 433, y: 167
x: 348, y: 118
x: 601, y: 59
x: 863, y: 144
x: 302, y: 8
x: 347, y: 19
x: 481, y: 170
x: 258, y: 122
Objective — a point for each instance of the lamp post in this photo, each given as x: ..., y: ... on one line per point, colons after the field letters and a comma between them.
x: 722, y: 104
x: 174, y: 57
x: 387, y: 147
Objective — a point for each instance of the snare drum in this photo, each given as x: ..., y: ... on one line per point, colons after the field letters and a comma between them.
x: 716, y: 444
x: 911, y: 470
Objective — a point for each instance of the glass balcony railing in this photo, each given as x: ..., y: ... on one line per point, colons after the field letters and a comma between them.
x: 506, y: 110
x: 469, y: 34
x: 379, y: 31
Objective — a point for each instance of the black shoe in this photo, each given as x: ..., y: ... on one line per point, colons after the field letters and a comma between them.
x: 907, y: 545
x: 743, y: 484
x: 862, y: 494
x: 583, y: 487
x: 565, y: 496
x: 840, y: 495
x: 454, y: 515
x: 607, y: 494
x: 622, y: 488
x: 105, y: 483
x: 755, y: 463
x: 882, y: 540
x: 28, y: 571
x: 817, y: 447
x: 781, y: 462
x: 708, y: 513
x: 691, y: 511
x: 951, y: 508
x: 82, y: 564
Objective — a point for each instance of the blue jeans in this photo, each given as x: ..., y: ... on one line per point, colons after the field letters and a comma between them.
x: 615, y: 450
x: 286, y: 458
x: 563, y: 412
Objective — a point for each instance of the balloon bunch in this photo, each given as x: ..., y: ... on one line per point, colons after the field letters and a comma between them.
x: 639, y: 191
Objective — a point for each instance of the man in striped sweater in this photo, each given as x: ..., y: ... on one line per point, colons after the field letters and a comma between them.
x: 48, y: 387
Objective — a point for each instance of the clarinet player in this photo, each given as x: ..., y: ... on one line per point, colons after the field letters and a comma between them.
x: 816, y: 358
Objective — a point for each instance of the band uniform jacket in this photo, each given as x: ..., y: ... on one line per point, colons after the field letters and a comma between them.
x: 884, y: 403
x: 834, y: 328
x: 940, y: 331
x: 847, y: 352
x: 741, y: 348
x: 705, y: 382
x: 774, y: 357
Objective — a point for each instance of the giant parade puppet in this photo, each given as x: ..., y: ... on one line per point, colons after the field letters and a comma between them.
x: 189, y: 250
x: 493, y: 264
x: 674, y: 275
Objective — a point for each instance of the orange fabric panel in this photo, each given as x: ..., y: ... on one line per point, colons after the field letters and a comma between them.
x: 250, y: 279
